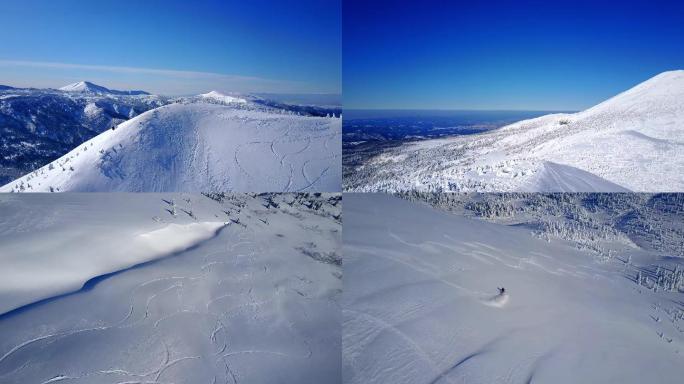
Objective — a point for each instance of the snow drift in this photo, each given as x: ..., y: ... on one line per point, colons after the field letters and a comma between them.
x: 633, y: 141
x: 200, y: 147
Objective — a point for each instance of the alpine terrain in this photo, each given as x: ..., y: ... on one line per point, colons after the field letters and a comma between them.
x: 633, y: 141
x: 38, y: 126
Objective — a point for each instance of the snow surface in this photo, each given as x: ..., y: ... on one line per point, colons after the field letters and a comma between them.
x: 420, y: 303
x: 200, y: 147
x: 633, y: 141
x: 228, y: 289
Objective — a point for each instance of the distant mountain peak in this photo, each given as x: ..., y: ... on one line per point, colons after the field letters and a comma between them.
x: 92, y: 88
x: 212, y: 93
x: 222, y: 97
x: 84, y: 86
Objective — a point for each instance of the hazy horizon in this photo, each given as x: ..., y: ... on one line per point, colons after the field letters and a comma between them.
x: 382, y: 113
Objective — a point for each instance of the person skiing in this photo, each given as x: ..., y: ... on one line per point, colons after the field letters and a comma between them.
x: 502, y: 290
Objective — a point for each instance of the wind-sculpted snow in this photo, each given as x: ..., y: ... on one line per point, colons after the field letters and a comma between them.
x: 42, y: 270
x: 420, y: 301
x: 632, y: 141
x: 200, y: 147
x: 246, y: 303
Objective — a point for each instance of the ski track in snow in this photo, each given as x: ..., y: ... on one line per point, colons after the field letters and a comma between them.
x: 418, y: 305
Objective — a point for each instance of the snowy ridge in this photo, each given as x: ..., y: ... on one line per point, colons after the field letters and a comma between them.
x: 632, y: 141
x: 200, y: 147
x: 420, y: 303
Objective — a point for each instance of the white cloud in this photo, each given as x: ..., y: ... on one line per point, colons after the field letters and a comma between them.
x: 162, y: 81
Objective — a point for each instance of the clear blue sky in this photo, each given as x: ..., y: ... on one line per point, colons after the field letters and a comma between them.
x: 533, y: 55
x: 173, y: 47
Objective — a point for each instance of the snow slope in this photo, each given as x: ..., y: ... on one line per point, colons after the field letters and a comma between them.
x: 420, y: 303
x: 255, y: 300
x: 633, y: 141
x: 200, y: 147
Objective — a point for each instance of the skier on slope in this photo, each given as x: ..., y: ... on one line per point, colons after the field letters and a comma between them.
x: 502, y: 290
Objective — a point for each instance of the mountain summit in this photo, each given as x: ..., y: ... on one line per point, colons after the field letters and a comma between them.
x: 197, y: 147
x: 91, y: 88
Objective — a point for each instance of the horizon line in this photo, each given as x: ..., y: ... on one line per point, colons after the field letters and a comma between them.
x: 182, y: 94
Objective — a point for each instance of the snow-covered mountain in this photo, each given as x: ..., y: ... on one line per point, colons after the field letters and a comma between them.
x: 421, y: 305
x: 39, y: 125
x: 90, y: 88
x: 170, y: 288
x: 633, y: 141
x: 197, y: 146
x: 220, y: 97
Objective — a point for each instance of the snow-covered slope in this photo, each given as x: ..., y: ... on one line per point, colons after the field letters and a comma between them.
x: 200, y: 147
x: 255, y: 301
x: 633, y: 141
x: 420, y: 303
x: 88, y: 87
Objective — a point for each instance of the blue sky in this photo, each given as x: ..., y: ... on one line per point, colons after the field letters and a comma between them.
x: 173, y: 47
x: 529, y: 55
